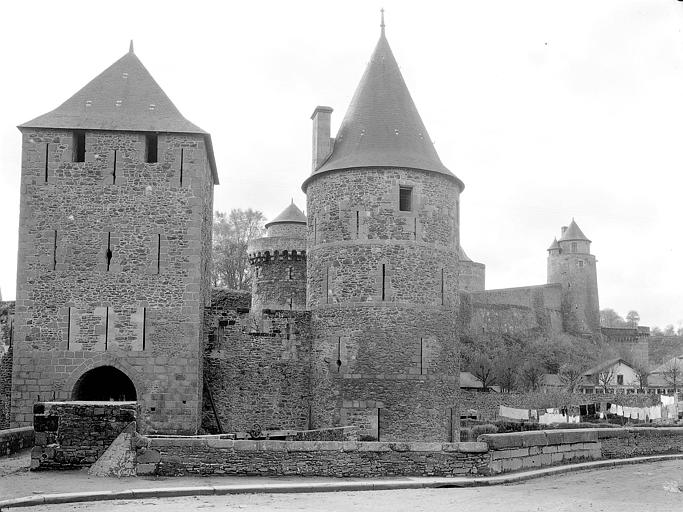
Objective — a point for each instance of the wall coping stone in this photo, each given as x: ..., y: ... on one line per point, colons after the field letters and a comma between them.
x: 18, y: 430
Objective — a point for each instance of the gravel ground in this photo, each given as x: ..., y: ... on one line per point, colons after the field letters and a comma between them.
x: 641, y: 487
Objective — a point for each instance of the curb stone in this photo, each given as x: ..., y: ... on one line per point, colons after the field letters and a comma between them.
x: 367, y: 485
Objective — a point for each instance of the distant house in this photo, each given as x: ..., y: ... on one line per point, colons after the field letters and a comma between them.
x: 470, y: 382
x: 658, y: 381
x: 613, y: 376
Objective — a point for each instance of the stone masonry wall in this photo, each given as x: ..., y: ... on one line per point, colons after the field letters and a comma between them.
x: 382, y: 289
x: 640, y: 441
x: 139, y: 310
x: 526, y: 310
x: 15, y: 439
x: 178, y: 457
x: 75, y: 434
x: 6, y: 355
x: 256, y: 368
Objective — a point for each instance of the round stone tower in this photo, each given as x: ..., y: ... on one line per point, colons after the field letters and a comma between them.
x: 383, y: 267
x: 571, y: 264
x: 279, y: 263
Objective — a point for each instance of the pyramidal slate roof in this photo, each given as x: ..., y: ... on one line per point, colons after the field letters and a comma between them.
x: 382, y: 127
x: 573, y: 232
x: 290, y: 215
x: 124, y: 97
x: 554, y: 246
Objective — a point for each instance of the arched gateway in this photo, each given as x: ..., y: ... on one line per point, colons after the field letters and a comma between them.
x: 104, y: 383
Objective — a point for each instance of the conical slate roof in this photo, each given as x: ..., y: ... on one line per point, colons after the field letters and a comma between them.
x: 382, y: 127
x: 555, y: 246
x: 462, y: 255
x: 290, y: 215
x: 123, y: 97
x: 573, y: 232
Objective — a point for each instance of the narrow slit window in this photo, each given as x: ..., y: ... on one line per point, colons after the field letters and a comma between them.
x: 415, y: 228
x: 158, y: 254
x: 47, y: 159
x: 109, y: 253
x: 113, y: 173
x: 79, y: 146
x: 106, y: 329
x: 68, y: 328
x: 421, y: 356
x: 339, y: 363
x: 327, y: 285
x: 144, y: 327
x: 405, y: 199
x: 315, y: 230
x: 379, y: 418
x: 442, y: 286
x: 357, y: 224
x: 384, y: 280
x: 151, y: 143
x: 182, y: 163
x: 289, y: 273
x: 54, y: 252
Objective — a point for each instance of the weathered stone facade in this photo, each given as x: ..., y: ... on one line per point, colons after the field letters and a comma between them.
x: 6, y: 351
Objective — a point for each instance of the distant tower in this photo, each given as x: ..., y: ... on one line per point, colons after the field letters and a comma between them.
x: 471, y: 275
x: 571, y: 264
x: 114, y: 252
x: 382, y: 267
x: 279, y: 263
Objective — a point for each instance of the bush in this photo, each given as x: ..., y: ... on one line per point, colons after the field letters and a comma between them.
x: 478, y: 430
x: 465, y: 434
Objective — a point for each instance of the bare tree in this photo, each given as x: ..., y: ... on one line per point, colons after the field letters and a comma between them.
x: 482, y: 368
x: 605, y: 378
x: 231, y: 235
x: 642, y: 372
x: 570, y: 376
x: 669, y: 330
x: 532, y: 373
x: 672, y: 373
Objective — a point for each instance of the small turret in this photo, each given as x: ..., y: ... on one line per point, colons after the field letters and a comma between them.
x: 571, y: 264
x: 279, y: 263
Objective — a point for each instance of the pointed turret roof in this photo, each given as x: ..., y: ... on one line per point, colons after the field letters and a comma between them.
x: 573, y: 232
x: 555, y: 246
x: 123, y: 97
x: 290, y: 215
x: 462, y: 255
x: 382, y: 127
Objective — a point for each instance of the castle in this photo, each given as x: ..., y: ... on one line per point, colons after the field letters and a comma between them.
x: 356, y: 310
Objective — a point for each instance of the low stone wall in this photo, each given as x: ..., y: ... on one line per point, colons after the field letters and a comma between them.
x: 75, y: 434
x: 525, y: 450
x: 328, y: 434
x: 619, y: 443
x: 211, y: 456
x: 15, y: 439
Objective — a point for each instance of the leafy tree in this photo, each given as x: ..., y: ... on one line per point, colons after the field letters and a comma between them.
x: 679, y: 332
x: 610, y: 318
x: 231, y: 235
x: 656, y: 331
x: 669, y: 330
x: 632, y: 318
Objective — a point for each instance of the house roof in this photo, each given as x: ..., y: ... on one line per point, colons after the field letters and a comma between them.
x: 554, y: 246
x: 290, y: 215
x: 604, y: 365
x: 382, y: 127
x: 468, y: 380
x: 573, y: 232
x: 124, y: 97
x: 678, y: 360
x: 552, y: 379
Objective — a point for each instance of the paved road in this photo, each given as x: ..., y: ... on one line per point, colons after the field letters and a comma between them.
x: 642, y: 488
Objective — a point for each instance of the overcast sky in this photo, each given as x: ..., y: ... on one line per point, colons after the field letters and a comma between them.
x: 547, y: 110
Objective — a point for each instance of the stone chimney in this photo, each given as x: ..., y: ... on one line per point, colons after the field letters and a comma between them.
x: 322, y: 143
x: 564, y: 228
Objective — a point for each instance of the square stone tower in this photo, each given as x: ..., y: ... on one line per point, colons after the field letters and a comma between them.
x: 114, y: 252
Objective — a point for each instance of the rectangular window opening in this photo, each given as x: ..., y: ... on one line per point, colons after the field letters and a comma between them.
x: 79, y: 146
x: 405, y: 199
x: 151, y: 145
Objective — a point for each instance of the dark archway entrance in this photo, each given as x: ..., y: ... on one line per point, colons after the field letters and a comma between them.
x: 104, y: 383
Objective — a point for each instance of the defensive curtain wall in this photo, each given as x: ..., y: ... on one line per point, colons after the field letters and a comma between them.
x: 105, y: 435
